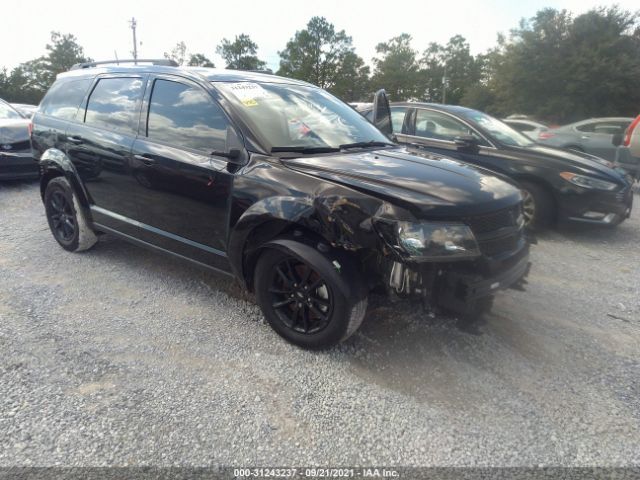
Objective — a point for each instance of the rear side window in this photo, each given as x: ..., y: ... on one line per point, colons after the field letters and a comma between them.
x: 186, y: 116
x: 64, y: 98
x: 114, y: 104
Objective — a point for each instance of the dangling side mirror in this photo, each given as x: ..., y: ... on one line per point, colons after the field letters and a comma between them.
x: 382, y: 113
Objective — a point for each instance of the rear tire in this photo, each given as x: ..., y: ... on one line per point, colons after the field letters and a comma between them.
x: 66, y: 219
x: 303, y: 297
x: 537, y: 205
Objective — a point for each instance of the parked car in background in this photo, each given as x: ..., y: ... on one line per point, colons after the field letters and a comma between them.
x: 530, y: 128
x: 628, y: 149
x: 16, y: 161
x: 278, y: 183
x: 24, y: 109
x: 592, y: 136
x: 558, y: 185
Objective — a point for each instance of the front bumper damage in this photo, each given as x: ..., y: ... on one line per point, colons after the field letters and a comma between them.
x: 462, y: 288
x: 461, y: 292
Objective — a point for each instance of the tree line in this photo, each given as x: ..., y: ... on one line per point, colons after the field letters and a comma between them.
x: 555, y: 66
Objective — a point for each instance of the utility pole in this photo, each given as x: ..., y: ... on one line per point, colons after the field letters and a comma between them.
x: 444, y: 85
x: 133, y: 24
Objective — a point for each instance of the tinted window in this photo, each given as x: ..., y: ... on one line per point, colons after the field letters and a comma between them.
x: 185, y: 116
x: 397, y: 118
x: 440, y: 126
x: 64, y: 98
x: 113, y: 104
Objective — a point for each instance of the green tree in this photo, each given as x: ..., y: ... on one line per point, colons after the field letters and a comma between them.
x: 240, y: 54
x: 453, y: 61
x: 29, y: 81
x: 178, y: 54
x: 200, y: 60
x: 351, y: 82
x: 397, y: 69
x: 561, y: 68
x: 325, y: 57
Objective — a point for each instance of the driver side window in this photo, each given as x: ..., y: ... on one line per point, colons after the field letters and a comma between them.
x: 440, y: 126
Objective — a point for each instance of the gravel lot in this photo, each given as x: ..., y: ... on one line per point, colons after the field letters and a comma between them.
x: 121, y: 356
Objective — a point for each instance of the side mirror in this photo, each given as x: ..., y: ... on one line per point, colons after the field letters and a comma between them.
x: 466, y: 143
x: 382, y: 113
x: 617, y: 139
x: 234, y: 155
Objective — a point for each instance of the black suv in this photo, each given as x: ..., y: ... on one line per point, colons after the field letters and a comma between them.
x: 277, y: 183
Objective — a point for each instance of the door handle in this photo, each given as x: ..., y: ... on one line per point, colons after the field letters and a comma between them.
x: 146, y: 160
x: 75, y: 139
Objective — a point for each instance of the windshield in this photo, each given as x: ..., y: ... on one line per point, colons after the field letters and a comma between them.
x: 285, y: 115
x: 499, y: 130
x: 6, y: 112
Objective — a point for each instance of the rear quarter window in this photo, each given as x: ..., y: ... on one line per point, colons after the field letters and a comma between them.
x: 64, y: 97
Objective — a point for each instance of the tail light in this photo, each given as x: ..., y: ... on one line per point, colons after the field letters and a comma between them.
x: 30, y: 128
x: 546, y: 135
x: 629, y: 132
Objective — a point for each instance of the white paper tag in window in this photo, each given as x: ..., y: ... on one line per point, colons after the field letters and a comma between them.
x: 248, y: 92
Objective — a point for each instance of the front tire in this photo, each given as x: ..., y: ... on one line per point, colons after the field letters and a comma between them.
x: 66, y: 220
x: 306, y: 299
x: 537, y: 206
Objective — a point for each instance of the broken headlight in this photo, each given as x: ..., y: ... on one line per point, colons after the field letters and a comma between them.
x: 435, y: 241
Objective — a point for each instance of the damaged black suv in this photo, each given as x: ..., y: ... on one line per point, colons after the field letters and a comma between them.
x: 277, y: 183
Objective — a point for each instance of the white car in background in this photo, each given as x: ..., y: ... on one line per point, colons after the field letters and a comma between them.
x: 530, y: 128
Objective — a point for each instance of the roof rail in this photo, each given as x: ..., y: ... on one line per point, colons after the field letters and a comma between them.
x: 158, y: 61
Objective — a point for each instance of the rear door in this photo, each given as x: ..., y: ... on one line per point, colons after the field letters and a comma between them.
x: 99, y: 145
x: 184, y: 199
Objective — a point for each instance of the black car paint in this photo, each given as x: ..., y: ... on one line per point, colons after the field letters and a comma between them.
x: 16, y: 161
x: 538, y: 163
x: 220, y: 213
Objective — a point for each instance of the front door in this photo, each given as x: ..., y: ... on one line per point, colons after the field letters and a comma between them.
x: 446, y: 135
x: 186, y: 189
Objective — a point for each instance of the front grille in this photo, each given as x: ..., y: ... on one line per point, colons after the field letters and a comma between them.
x: 621, y: 196
x: 497, y: 246
x: 491, y: 222
x: 488, y: 229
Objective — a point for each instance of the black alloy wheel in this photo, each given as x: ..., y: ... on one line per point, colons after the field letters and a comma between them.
x: 62, y: 217
x: 311, y: 298
x: 301, y: 298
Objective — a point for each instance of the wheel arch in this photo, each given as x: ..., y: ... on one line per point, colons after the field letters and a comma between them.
x: 546, y: 186
x: 294, y: 218
x: 55, y: 163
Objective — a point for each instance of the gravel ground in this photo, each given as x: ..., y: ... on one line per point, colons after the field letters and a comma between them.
x: 121, y: 356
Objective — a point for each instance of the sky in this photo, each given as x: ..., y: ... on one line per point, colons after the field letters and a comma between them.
x: 102, y: 28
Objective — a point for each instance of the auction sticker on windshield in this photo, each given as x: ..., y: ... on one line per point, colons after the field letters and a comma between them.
x: 248, y: 92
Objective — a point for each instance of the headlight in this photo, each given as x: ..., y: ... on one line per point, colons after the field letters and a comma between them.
x: 588, y: 182
x: 432, y: 241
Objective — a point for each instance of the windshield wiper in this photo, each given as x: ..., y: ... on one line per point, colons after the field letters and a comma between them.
x: 372, y: 143
x: 293, y: 149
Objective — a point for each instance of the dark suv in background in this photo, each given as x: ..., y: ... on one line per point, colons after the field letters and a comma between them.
x: 275, y: 182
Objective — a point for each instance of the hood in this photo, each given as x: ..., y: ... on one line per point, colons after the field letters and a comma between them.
x: 14, y: 130
x: 424, y: 183
x: 561, y: 158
